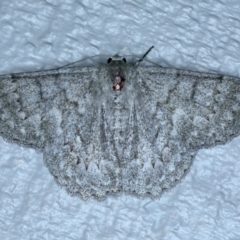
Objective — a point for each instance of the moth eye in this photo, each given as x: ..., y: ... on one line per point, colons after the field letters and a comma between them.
x: 124, y: 60
x: 109, y: 60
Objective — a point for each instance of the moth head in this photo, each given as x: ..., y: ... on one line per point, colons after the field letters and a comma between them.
x: 116, y: 65
x: 116, y: 60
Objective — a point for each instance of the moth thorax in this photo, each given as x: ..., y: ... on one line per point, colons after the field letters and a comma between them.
x: 118, y: 80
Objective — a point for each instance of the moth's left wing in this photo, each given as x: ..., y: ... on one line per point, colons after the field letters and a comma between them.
x: 200, y: 110
x: 177, y: 113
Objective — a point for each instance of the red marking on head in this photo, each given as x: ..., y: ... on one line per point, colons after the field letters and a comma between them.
x: 118, y: 82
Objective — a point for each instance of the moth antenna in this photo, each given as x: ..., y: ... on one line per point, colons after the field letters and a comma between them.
x: 80, y: 61
x: 145, y: 54
x: 154, y: 63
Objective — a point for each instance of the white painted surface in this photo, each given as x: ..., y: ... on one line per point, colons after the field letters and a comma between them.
x: 203, y: 36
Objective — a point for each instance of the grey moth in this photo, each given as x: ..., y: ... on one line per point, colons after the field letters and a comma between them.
x: 120, y: 128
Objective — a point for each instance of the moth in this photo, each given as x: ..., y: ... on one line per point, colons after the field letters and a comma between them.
x: 119, y: 128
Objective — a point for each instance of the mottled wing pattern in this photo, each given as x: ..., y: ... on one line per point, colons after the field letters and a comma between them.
x: 141, y: 140
x: 33, y: 105
x: 178, y: 113
x: 202, y: 109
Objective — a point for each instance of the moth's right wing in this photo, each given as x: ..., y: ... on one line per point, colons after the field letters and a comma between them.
x: 32, y: 105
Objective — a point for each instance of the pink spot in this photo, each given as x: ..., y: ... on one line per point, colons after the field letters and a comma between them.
x: 118, y: 82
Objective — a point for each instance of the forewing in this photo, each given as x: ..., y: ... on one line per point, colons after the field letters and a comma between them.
x: 32, y: 105
x: 177, y: 113
x: 202, y: 110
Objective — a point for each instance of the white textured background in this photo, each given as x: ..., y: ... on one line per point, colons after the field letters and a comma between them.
x: 201, y: 36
